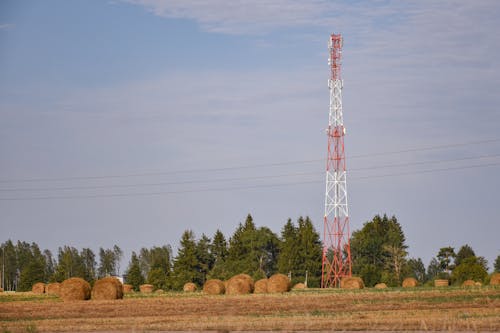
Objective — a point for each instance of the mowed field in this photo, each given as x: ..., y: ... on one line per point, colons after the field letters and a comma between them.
x: 422, y: 309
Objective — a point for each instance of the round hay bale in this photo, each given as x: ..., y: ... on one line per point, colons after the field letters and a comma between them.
x: 189, y: 287
x: 478, y: 284
x: 353, y: 282
x: 128, y: 288
x: 260, y: 286
x: 240, y: 284
x: 53, y: 288
x: 278, y: 283
x: 107, y: 288
x: 495, y: 279
x: 146, y: 288
x: 380, y: 286
x: 410, y: 282
x: 1, y: 290
x: 159, y: 291
x: 468, y: 283
x: 214, y: 287
x: 441, y: 283
x: 299, y: 286
x: 75, y: 289
x: 38, y: 288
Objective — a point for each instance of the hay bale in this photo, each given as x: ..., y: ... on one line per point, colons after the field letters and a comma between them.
x: 1, y: 290
x: 108, y: 288
x: 353, y: 282
x: 468, y: 283
x: 75, y: 289
x: 240, y: 284
x: 410, y: 282
x: 478, y: 284
x: 380, y: 286
x: 146, y: 288
x: 128, y: 288
x: 495, y: 279
x: 53, y: 288
x: 299, y: 286
x: 189, y: 287
x: 38, y: 288
x: 278, y: 283
x: 214, y: 287
x: 260, y: 286
x: 441, y: 283
x: 159, y: 291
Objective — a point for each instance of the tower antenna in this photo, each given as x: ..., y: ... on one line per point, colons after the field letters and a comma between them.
x: 336, y: 261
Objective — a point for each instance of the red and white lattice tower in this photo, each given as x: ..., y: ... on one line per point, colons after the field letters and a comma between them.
x: 336, y: 246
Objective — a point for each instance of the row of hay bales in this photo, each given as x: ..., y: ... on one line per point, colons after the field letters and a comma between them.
x: 76, y: 289
x: 244, y: 284
x: 357, y: 283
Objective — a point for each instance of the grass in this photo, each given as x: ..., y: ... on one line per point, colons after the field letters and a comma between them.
x: 451, y: 309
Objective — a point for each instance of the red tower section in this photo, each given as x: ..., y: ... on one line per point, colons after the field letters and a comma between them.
x: 336, y: 261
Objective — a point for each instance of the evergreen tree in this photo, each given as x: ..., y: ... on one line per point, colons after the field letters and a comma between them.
x: 463, y: 253
x: 252, y: 251
x: 205, y: 258
x: 10, y: 261
x: 69, y: 264
x: 378, y: 251
x: 288, y: 256
x: 50, y: 266
x: 309, y: 253
x: 496, y: 265
x: 445, y: 257
x: 33, y: 269
x: 107, y: 262
x: 89, y: 264
x: 219, y: 251
x: 133, y: 275
x: 186, y: 263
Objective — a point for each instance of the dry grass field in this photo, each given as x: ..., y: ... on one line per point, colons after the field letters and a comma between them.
x: 448, y: 309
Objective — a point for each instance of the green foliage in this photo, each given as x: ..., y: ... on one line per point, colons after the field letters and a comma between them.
x: 496, y: 265
x: 415, y: 268
x: 252, y: 251
x: 471, y: 268
x: 379, y: 250
x: 109, y: 260
x: 133, y: 273
x: 219, y: 251
x: 445, y: 257
x: 463, y: 253
x: 205, y: 258
x: 186, y: 265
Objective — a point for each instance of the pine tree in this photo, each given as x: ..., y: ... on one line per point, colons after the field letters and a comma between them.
x: 463, y: 253
x: 219, y: 252
x: 133, y: 274
x: 288, y: 257
x: 205, y: 258
x: 186, y: 264
x: 89, y: 264
x: 310, y: 252
x: 496, y: 265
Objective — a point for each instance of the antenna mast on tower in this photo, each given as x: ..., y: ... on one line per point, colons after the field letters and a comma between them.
x: 336, y: 233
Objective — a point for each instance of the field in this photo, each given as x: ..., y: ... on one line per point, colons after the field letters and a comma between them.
x: 422, y: 309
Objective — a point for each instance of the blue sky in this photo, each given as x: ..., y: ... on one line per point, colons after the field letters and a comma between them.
x: 141, y: 89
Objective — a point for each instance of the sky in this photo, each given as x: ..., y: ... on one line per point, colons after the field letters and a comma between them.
x: 128, y: 122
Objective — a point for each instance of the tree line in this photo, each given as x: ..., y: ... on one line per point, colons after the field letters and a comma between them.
x: 379, y: 254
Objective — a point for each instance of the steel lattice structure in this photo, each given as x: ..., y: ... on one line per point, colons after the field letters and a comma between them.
x: 336, y: 246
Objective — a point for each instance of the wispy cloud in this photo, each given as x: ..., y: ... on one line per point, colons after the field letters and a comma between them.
x: 6, y: 26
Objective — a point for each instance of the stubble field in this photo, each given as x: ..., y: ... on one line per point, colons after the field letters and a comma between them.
x: 449, y: 309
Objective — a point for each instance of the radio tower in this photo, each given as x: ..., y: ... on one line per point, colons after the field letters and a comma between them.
x: 336, y: 245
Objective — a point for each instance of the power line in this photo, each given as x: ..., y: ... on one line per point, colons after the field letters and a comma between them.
x: 219, y: 180
x: 223, y: 189
x: 241, y: 167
